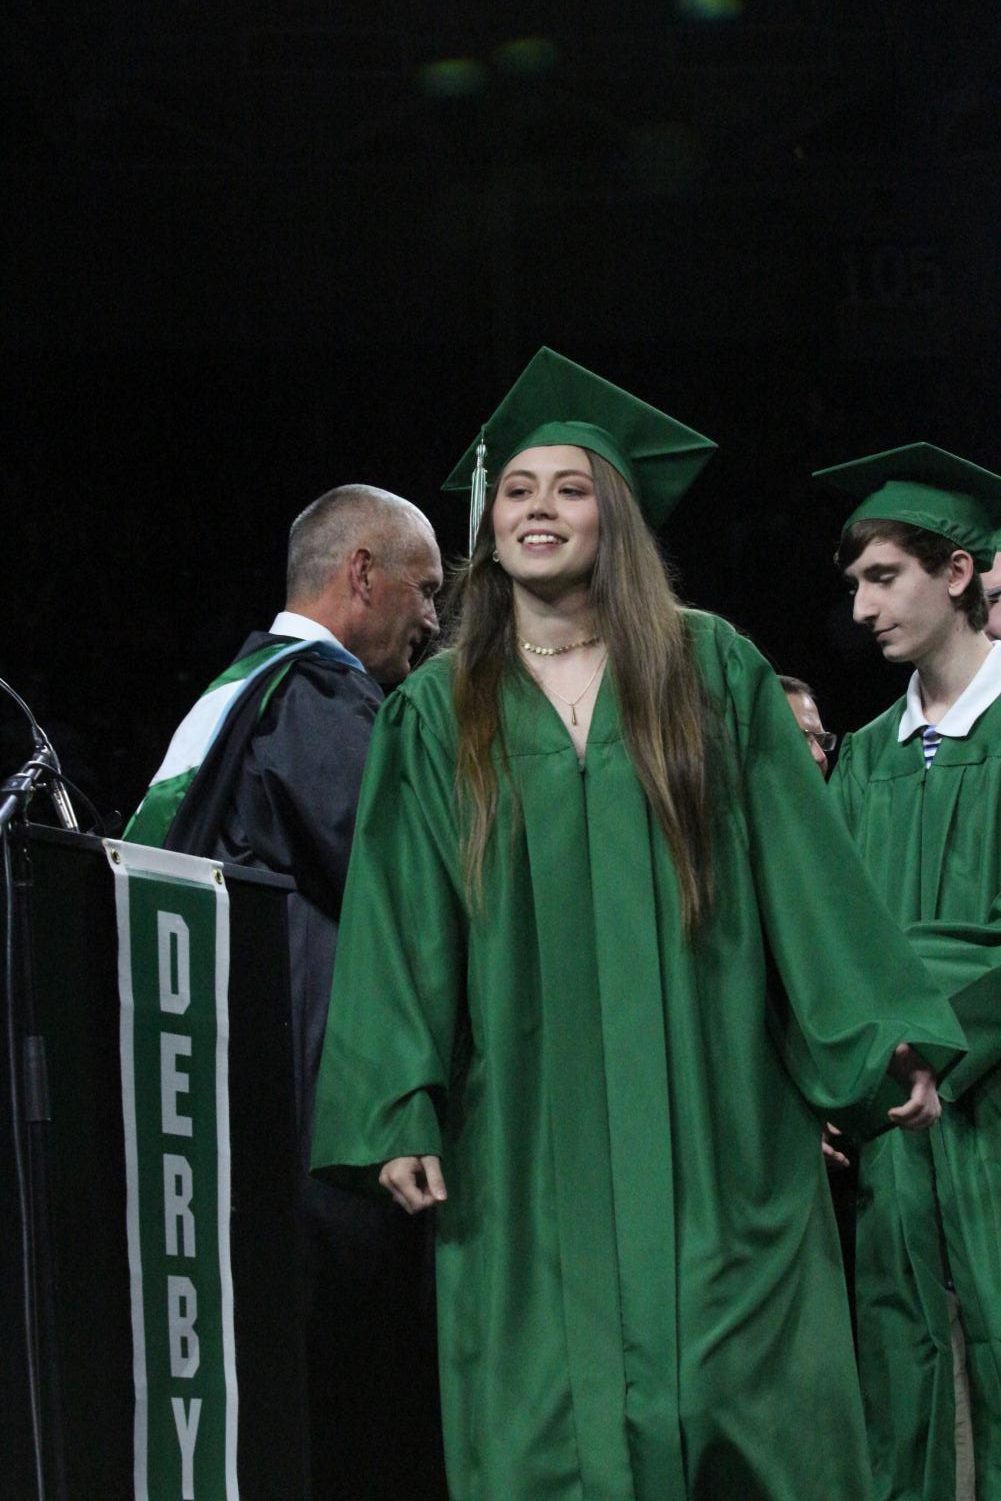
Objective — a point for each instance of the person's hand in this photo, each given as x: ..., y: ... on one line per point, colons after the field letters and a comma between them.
x: 833, y: 1158
x: 415, y: 1182
x: 923, y: 1108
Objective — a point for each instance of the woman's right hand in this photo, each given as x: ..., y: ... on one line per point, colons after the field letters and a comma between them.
x: 923, y: 1107
x: 415, y: 1182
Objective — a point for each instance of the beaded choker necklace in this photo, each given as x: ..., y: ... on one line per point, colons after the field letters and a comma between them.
x: 557, y: 651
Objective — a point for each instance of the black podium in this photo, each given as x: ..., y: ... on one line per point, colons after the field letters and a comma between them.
x: 89, y: 1381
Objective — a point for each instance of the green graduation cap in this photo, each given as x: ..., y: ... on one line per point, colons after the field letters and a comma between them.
x: 928, y: 487
x: 555, y: 401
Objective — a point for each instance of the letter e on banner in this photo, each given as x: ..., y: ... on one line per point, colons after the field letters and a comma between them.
x: 174, y: 1081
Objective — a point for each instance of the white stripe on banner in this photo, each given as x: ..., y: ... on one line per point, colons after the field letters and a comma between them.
x: 126, y: 1029
x: 173, y: 974
x: 223, y: 1181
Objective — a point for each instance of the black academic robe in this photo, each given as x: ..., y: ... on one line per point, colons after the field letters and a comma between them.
x: 278, y: 792
x: 290, y: 807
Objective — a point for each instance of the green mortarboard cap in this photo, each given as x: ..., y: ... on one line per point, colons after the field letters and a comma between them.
x: 925, y: 486
x: 555, y: 401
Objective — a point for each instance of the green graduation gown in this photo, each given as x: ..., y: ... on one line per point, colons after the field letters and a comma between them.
x: 639, y: 1288
x: 930, y: 1205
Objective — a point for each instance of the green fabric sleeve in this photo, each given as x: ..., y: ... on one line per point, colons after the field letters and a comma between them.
x: 965, y: 959
x: 852, y: 989
x: 398, y: 987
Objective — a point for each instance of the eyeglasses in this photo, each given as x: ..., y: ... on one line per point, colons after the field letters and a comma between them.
x: 826, y: 739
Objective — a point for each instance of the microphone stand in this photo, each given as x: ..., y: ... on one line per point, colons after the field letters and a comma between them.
x: 30, y: 1114
x: 18, y: 789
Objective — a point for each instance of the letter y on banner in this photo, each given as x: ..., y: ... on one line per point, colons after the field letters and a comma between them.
x: 173, y: 981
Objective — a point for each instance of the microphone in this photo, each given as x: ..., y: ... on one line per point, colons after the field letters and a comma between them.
x: 46, y: 753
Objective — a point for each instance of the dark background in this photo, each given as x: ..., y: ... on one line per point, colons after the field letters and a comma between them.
x: 253, y: 250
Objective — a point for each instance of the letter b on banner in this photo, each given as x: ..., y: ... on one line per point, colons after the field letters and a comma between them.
x: 182, y: 1312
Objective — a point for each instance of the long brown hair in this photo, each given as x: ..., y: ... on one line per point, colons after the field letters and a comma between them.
x: 661, y: 697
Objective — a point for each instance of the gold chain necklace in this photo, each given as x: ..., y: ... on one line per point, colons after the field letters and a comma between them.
x: 572, y: 703
x: 557, y: 651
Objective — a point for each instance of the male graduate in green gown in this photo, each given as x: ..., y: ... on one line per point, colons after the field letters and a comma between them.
x: 608, y: 1077
x: 920, y: 790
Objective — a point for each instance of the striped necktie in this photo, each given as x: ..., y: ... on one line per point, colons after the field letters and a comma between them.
x: 930, y: 742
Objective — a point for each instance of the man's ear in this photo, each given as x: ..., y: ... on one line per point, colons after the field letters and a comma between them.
x: 360, y: 573
x: 961, y: 570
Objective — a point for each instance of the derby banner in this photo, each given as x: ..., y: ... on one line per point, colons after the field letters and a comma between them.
x: 173, y: 978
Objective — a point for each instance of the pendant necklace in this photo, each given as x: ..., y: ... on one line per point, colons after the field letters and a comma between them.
x: 572, y: 703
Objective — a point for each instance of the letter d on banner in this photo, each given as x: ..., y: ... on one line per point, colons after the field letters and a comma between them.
x: 173, y: 962
x: 173, y: 979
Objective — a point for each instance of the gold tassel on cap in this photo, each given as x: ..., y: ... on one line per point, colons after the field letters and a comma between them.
x: 478, y: 495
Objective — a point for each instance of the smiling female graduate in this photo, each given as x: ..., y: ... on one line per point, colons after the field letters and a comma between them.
x: 588, y: 976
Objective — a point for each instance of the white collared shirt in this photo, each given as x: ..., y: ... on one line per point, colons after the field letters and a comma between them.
x: 957, y: 721
x: 289, y: 623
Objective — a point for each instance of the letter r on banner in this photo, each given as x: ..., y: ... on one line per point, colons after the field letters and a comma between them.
x: 178, y: 1188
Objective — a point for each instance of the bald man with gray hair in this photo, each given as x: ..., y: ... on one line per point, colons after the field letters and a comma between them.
x: 346, y: 550
x: 275, y: 786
